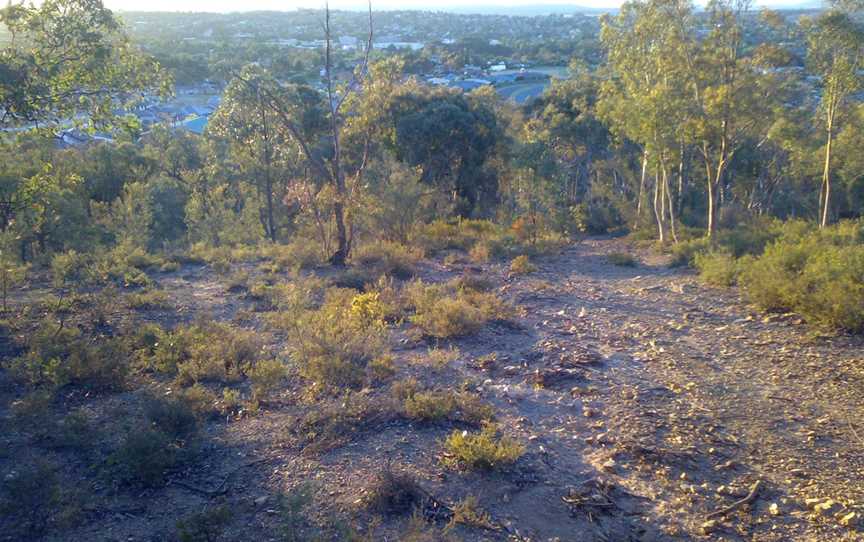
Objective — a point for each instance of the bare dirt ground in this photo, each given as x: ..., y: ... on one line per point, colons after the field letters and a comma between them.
x: 651, y: 407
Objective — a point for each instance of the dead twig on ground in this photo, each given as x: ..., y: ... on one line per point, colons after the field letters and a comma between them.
x: 754, y: 492
x: 222, y: 488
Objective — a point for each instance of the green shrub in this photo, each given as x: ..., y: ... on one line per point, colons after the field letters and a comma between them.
x: 144, y: 456
x: 58, y: 355
x: 684, y: 253
x: 521, y: 265
x: 265, y: 377
x: 29, y: 496
x: 483, y: 450
x: 394, y: 494
x: 437, y: 405
x: 622, y: 259
x: 149, y: 300
x: 442, y: 311
x: 174, y: 417
x: 430, y: 405
x: 717, y: 268
x: 388, y: 258
x: 338, y: 421
x: 332, y: 344
x: 469, y: 513
x: 206, y: 351
x: 204, y: 526
x: 70, y: 268
x: 819, y: 274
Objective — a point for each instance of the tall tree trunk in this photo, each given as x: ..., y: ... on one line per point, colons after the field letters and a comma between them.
x: 826, y: 173
x: 343, y: 248
x: 668, y: 192
x: 679, y: 196
x: 661, y: 232
x: 641, y: 189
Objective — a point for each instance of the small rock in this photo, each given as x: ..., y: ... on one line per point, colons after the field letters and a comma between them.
x: 774, y: 510
x: 609, y: 465
x: 260, y: 500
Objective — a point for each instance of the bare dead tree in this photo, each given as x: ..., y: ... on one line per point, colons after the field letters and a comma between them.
x: 333, y: 170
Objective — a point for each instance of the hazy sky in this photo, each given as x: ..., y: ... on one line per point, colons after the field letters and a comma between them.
x: 283, y: 5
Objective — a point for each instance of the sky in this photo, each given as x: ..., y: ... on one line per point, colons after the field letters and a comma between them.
x: 285, y: 5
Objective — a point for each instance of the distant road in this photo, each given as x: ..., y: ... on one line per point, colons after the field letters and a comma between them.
x: 521, y: 93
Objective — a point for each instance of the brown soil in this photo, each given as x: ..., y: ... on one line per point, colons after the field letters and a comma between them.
x: 647, y: 402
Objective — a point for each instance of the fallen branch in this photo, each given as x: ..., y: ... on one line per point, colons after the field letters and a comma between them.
x: 222, y: 488
x: 754, y: 491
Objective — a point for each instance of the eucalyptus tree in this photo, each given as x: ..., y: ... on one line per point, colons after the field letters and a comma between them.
x: 69, y: 61
x: 732, y: 97
x: 650, y: 49
x: 835, y: 43
x: 329, y: 164
x: 257, y: 142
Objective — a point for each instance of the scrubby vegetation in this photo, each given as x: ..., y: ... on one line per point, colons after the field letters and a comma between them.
x: 482, y: 450
x: 793, y: 267
x: 332, y: 276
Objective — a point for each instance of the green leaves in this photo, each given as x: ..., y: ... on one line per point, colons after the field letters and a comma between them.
x: 69, y: 62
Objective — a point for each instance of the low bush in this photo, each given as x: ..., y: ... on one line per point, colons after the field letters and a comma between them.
x: 622, y: 259
x: 149, y: 300
x: 469, y: 513
x: 442, y: 311
x: 521, y: 265
x: 204, y: 526
x: 206, y: 351
x: 483, y: 450
x: 172, y: 416
x: 388, y: 258
x: 338, y: 421
x: 58, y: 355
x: 818, y: 274
x: 394, y: 494
x: 333, y: 343
x: 144, y: 456
x: 717, y: 268
x: 437, y: 405
x: 265, y: 377
x: 29, y: 496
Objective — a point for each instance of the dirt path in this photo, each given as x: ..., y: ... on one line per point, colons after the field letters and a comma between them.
x: 675, y: 399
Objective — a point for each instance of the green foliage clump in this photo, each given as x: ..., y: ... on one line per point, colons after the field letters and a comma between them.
x: 595, y: 217
x: 336, y: 422
x: 394, y: 494
x: 144, y: 456
x: 819, y: 274
x: 388, y: 258
x: 438, y: 405
x: 58, y: 355
x: 332, y: 343
x: 29, y: 496
x: 622, y: 259
x: 204, y: 526
x: 265, y: 377
x: 521, y: 265
x: 206, y: 351
x: 441, y: 310
x: 718, y: 268
x: 481, y: 451
x: 149, y: 299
